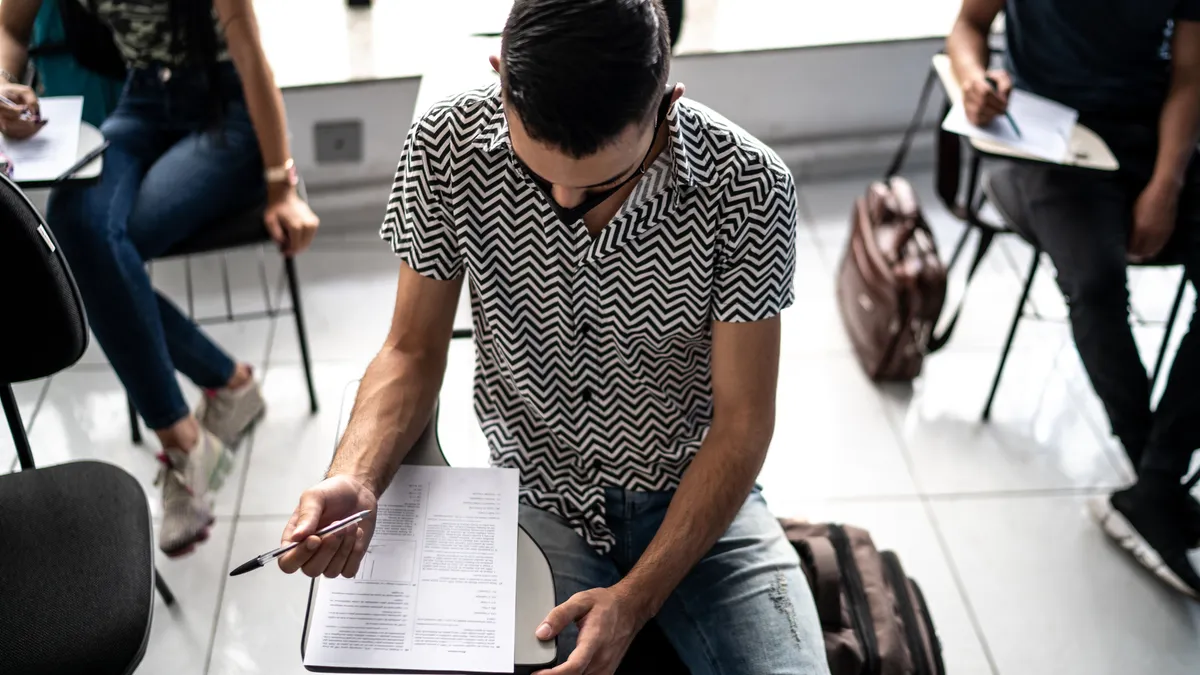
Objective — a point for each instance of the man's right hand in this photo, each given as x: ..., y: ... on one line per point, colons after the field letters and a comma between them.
x: 332, y: 499
x: 983, y: 103
x: 12, y: 124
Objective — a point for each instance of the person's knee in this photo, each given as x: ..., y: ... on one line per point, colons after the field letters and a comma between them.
x: 1094, y: 282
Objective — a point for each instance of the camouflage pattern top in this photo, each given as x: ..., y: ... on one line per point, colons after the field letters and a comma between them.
x: 142, y: 31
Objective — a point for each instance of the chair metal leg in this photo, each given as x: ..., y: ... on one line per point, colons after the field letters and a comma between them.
x: 1162, y: 349
x: 135, y: 427
x: 301, y: 330
x: 1012, y: 333
x: 16, y: 426
x: 163, y: 590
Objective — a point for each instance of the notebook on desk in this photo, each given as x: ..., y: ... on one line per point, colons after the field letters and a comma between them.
x: 436, y: 591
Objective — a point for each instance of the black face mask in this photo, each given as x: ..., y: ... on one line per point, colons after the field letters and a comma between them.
x: 570, y: 216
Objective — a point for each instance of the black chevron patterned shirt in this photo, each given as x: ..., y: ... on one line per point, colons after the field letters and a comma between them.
x: 592, y: 354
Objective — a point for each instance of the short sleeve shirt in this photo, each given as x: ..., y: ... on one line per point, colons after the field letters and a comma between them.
x: 593, y: 354
x: 1108, y: 58
x: 142, y: 31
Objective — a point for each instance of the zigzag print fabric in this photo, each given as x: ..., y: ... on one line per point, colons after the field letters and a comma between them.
x: 592, y: 354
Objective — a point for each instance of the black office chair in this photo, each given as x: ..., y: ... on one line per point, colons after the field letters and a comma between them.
x: 1002, y: 191
x: 76, y: 547
x: 242, y: 230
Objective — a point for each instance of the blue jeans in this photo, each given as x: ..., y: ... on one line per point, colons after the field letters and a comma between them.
x: 169, y: 171
x: 744, y: 609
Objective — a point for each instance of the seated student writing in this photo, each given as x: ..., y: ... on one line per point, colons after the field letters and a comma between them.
x: 1133, y: 72
x: 198, y: 134
x: 629, y: 252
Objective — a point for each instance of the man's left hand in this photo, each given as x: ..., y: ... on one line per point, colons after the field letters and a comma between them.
x: 1153, y: 220
x: 608, y: 618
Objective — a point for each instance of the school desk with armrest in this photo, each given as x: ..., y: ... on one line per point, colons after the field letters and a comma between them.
x: 535, y: 583
x: 1086, y: 151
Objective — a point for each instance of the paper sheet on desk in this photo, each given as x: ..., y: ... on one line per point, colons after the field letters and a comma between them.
x: 1045, y: 125
x: 53, y: 149
x: 436, y: 590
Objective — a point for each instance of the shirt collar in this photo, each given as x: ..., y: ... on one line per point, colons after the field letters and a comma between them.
x: 494, y: 136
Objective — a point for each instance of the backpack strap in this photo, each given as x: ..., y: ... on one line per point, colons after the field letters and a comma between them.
x: 821, y: 566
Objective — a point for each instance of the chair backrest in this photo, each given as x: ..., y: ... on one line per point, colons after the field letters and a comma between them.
x: 43, y: 328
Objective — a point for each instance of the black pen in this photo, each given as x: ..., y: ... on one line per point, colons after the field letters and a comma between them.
x: 271, y: 555
x: 996, y: 88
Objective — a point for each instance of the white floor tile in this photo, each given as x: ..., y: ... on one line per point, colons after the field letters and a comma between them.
x: 180, y: 636
x: 348, y: 296
x: 905, y: 528
x: 832, y: 437
x: 1037, y: 438
x: 1055, y: 596
x: 84, y: 417
x: 262, y: 613
x: 292, y: 447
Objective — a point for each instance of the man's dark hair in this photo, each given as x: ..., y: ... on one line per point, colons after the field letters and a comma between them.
x: 578, y: 72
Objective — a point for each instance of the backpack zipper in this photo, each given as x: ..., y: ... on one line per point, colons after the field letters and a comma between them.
x: 860, y: 609
x: 899, y: 582
x: 939, y: 666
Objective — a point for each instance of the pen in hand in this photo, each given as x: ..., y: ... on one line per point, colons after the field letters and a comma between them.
x: 992, y: 83
x: 267, y: 557
x: 27, y: 115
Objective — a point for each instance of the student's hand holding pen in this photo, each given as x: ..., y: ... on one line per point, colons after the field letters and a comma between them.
x: 335, y: 554
x: 986, y: 96
x: 19, y: 114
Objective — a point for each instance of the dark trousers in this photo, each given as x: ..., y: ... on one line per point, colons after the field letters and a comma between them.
x: 1083, y: 220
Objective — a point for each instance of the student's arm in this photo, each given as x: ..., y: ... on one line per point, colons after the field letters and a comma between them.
x: 967, y: 47
x: 395, y: 401
x: 397, y: 394
x: 753, y: 284
x: 1178, y: 129
x: 745, y: 365
x: 288, y: 219
x: 16, y: 25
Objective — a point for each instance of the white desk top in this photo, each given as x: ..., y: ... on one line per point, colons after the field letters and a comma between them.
x: 1086, y: 149
x: 535, y: 582
x: 89, y: 139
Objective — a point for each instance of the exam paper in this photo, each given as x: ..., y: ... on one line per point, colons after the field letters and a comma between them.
x: 54, y: 148
x: 1045, y: 125
x: 436, y: 590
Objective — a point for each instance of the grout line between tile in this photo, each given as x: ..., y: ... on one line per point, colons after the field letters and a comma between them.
x: 237, y: 508
x: 930, y: 514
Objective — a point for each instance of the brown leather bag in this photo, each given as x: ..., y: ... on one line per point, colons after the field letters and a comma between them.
x: 873, y: 617
x: 891, y: 284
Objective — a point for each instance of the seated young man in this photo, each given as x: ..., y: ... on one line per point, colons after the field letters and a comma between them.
x: 1133, y: 72
x: 629, y: 252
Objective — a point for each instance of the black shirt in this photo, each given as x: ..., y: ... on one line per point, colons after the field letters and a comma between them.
x: 1108, y: 58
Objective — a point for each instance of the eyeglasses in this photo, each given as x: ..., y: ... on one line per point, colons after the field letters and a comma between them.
x: 575, y: 213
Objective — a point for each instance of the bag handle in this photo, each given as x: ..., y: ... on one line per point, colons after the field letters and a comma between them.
x: 936, y: 342
x: 913, y: 126
x: 820, y: 560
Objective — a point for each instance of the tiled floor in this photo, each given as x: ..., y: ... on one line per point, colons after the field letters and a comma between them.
x: 989, y: 518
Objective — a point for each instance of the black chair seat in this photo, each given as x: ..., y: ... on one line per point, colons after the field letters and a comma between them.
x: 76, y: 570
x: 243, y: 229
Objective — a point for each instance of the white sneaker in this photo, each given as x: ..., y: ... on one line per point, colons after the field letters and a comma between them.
x: 229, y: 413
x: 187, y: 478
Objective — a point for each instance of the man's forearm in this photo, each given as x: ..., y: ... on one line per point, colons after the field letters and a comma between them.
x: 967, y: 47
x: 394, y: 404
x: 1179, y: 127
x: 712, y: 491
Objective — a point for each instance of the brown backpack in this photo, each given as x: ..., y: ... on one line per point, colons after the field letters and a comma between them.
x: 874, y: 617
